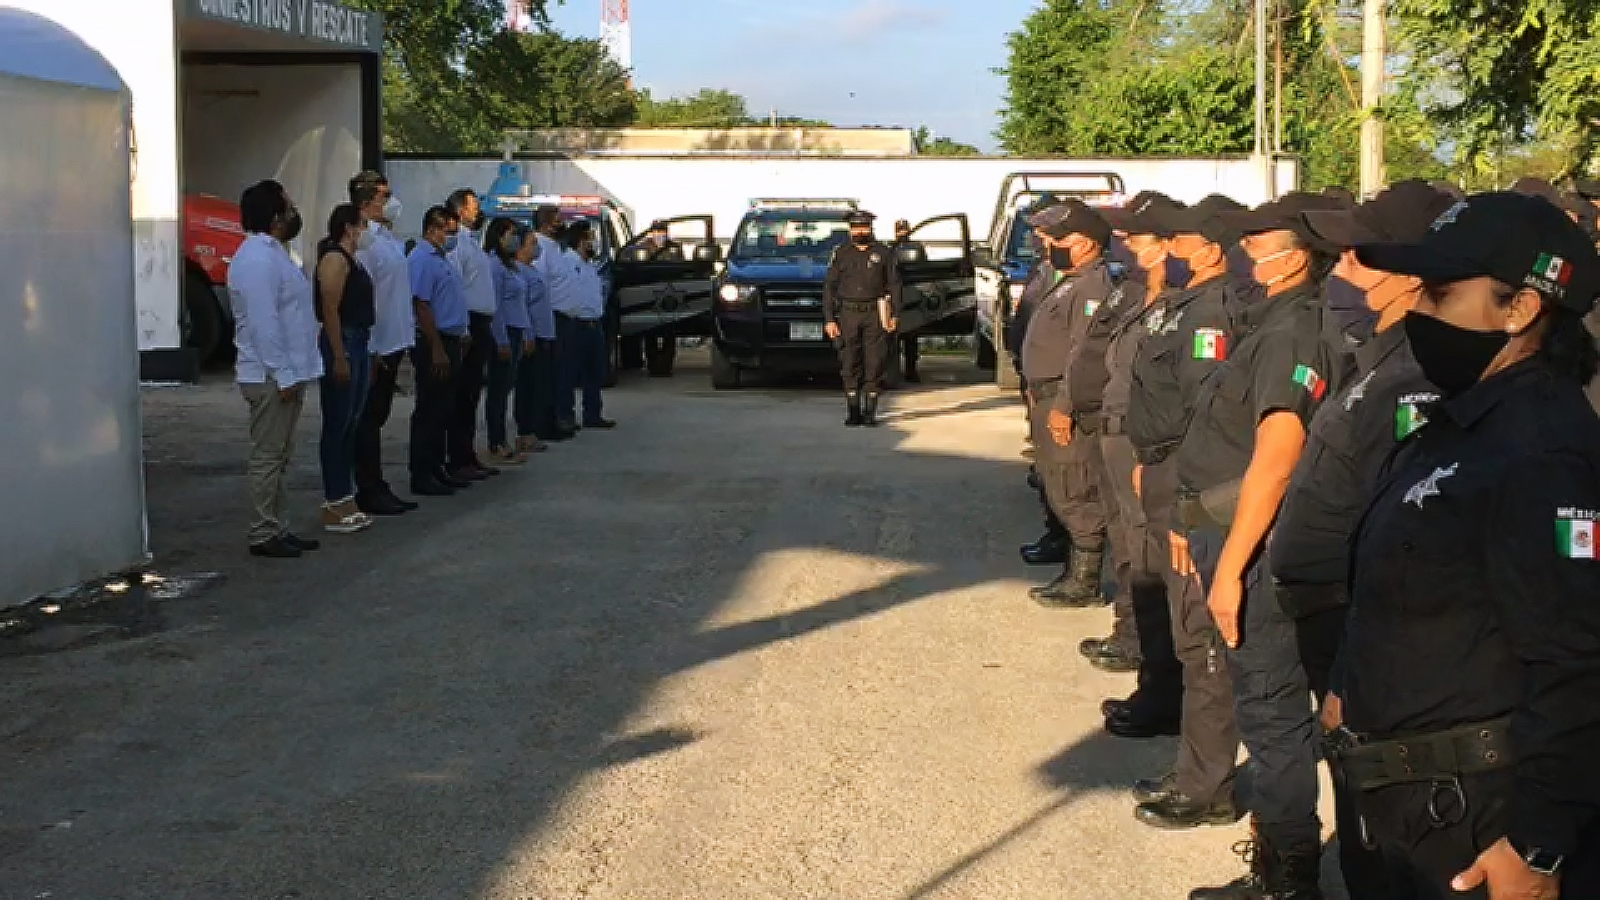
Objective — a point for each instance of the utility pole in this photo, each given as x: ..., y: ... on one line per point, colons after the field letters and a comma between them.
x: 1374, y: 51
x: 1263, y: 158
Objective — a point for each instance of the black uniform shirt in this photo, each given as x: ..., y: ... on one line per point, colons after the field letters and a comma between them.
x: 860, y: 273
x: 1058, y: 322
x: 1476, y: 592
x: 1279, y: 363
x: 1190, y: 334
x: 1351, y: 437
x: 1126, y: 342
x: 1091, y: 367
x: 1040, y: 282
x: 1091, y: 290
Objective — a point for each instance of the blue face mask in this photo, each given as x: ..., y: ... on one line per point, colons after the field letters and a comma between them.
x: 1179, y: 272
x: 451, y: 241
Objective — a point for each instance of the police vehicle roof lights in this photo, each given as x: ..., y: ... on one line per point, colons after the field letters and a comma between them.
x: 805, y: 203
x: 563, y: 200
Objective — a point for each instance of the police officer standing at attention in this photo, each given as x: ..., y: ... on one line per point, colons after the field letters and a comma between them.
x: 1247, y: 434
x: 860, y: 301
x: 1349, y: 440
x: 442, y: 323
x: 1470, y: 670
x: 1076, y: 237
x: 1190, y: 335
x: 1051, y: 547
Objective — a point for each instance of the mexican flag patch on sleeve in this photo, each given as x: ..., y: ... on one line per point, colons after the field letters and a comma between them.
x: 1210, y: 343
x: 1307, y: 377
x: 1575, y: 534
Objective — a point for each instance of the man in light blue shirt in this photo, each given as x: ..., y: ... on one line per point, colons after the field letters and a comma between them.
x: 441, y: 310
x: 578, y: 296
x: 477, y: 286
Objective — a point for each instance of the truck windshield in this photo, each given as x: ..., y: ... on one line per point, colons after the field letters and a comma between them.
x: 1020, y: 247
x: 777, y: 238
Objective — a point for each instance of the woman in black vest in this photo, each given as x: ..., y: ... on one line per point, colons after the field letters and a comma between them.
x: 345, y: 307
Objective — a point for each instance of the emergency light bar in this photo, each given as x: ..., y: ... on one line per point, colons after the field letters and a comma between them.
x: 551, y: 200
x: 805, y: 203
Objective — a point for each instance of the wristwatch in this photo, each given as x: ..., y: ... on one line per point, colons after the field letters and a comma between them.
x: 1540, y: 861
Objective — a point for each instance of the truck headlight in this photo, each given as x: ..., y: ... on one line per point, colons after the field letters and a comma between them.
x: 734, y: 294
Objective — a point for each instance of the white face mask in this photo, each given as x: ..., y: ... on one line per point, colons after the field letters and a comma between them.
x: 1271, y: 258
x: 392, y: 209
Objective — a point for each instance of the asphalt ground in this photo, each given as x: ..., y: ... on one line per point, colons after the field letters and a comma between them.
x: 729, y: 650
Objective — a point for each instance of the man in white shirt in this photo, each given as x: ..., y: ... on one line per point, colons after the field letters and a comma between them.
x: 577, y: 294
x: 477, y: 284
x: 275, y: 331
x: 394, y: 332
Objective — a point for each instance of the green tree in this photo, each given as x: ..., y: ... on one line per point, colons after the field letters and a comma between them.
x: 707, y: 108
x: 928, y: 145
x: 545, y: 80
x: 1500, y: 74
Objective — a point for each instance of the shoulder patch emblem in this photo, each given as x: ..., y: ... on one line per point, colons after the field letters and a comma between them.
x: 1090, y: 307
x: 1307, y: 377
x: 1409, y: 416
x: 1575, y: 533
x: 1210, y: 343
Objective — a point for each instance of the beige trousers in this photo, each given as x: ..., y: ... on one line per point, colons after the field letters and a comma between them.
x: 272, y: 424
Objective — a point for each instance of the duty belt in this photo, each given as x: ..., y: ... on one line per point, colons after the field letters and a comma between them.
x: 1100, y: 423
x: 1210, y: 508
x: 851, y: 301
x: 1440, y: 757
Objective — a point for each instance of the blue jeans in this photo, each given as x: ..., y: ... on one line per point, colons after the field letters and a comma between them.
x: 341, y: 412
x: 502, y: 378
x: 582, y: 349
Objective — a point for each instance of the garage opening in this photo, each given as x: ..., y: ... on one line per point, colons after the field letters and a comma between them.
x: 295, y: 96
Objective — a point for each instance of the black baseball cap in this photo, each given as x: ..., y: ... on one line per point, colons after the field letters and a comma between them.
x: 1130, y: 217
x: 1400, y: 214
x: 860, y: 217
x: 1283, y: 214
x: 1079, y: 218
x: 1577, y: 208
x: 1048, y: 216
x: 1205, y: 218
x: 1517, y: 239
x: 1448, y: 187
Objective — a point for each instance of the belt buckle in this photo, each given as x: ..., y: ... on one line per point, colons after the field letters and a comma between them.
x: 1443, y: 787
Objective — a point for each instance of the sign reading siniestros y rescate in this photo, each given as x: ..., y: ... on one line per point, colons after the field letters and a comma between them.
x: 322, y: 21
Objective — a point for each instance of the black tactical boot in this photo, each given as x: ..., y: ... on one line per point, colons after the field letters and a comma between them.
x: 869, y: 411
x: 853, y: 404
x: 1079, y: 587
x: 1290, y: 874
x: 1049, y: 550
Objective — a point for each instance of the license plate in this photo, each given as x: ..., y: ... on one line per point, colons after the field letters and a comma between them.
x: 805, y: 331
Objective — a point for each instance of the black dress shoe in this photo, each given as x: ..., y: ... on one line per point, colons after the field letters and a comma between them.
x: 450, y: 481
x: 380, y: 505
x: 406, y: 505
x: 1048, y: 550
x: 432, y: 487
x: 1115, y: 660
x: 1155, y: 790
x: 304, y: 545
x: 1177, y: 813
x: 1112, y: 707
x: 1130, y: 724
x: 276, y: 548
x: 1033, y: 480
x: 601, y: 424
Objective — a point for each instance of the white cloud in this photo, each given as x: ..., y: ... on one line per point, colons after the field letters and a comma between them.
x: 877, y: 18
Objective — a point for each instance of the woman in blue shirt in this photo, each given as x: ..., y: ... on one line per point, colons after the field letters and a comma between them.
x: 510, y: 328
x: 536, y: 379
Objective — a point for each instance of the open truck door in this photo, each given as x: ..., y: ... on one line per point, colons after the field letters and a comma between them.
x: 662, y: 293
x: 937, y: 276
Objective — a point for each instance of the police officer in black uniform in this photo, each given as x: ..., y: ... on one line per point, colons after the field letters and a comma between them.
x: 1248, y: 431
x: 1470, y: 670
x: 1051, y: 547
x: 1076, y: 243
x: 1190, y: 335
x: 860, y: 301
x: 1349, y: 439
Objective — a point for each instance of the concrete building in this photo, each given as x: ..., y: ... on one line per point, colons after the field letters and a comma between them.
x: 225, y: 93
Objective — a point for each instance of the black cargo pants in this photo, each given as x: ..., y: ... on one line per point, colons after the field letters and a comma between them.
x: 1066, y: 472
x: 1124, y: 535
x: 1208, y: 743
x: 1160, y: 692
x: 1272, y: 704
x: 863, y: 346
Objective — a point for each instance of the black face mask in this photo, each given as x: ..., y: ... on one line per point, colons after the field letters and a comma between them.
x: 1347, y: 304
x: 861, y: 240
x: 1060, y: 259
x: 292, y: 224
x: 1179, y: 272
x: 1452, y: 358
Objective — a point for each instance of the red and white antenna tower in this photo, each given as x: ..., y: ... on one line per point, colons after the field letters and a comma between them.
x: 616, y: 32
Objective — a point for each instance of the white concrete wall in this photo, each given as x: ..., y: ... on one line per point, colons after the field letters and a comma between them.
x: 915, y: 189
x: 298, y: 124
x: 137, y: 37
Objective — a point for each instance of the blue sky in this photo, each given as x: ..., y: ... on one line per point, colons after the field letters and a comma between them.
x: 907, y: 62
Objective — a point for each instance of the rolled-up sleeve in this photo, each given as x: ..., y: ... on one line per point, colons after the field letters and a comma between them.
x: 1547, y: 588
